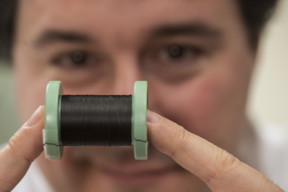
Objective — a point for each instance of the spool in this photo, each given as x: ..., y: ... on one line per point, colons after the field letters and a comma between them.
x: 53, y: 145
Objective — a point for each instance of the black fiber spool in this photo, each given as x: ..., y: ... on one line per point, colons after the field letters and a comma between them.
x: 104, y: 120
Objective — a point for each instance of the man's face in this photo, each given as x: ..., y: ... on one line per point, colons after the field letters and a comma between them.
x: 193, y: 53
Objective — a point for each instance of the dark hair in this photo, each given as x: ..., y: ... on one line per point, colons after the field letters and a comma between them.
x: 8, y: 16
x: 255, y: 14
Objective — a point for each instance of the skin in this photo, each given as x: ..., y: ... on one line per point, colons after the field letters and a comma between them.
x: 204, y: 91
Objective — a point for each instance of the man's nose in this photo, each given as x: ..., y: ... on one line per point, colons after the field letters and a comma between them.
x: 127, y: 71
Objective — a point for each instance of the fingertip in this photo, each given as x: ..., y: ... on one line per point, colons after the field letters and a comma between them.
x: 163, y: 133
x: 36, y: 116
x: 26, y: 143
x: 153, y: 118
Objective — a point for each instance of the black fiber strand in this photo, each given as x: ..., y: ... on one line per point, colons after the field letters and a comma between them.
x: 103, y: 120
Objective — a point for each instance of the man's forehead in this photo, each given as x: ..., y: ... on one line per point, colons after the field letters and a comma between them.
x: 109, y: 17
x: 143, y: 9
x: 128, y: 11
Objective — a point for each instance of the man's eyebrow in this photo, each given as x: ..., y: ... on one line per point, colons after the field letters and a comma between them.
x: 194, y: 29
x: 53, y: 36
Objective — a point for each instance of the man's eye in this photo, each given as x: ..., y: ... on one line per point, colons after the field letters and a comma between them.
x: 175, y: 51
x: 73, y: 59
x: 78, y: 57
x: 175, y: 62
x: 178, y: 52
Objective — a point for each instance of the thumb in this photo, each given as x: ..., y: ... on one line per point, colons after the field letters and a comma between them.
x: 22, y: 149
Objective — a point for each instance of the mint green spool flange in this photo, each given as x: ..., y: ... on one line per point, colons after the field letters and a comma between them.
x: 139, y: 120
x: 52, y: 144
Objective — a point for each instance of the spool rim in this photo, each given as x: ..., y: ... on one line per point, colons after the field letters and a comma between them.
x: 52, y: 144
x: 139, y: 120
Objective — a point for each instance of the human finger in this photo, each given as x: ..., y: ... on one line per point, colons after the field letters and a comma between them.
x: 24, y: 146
x: 220, y: 170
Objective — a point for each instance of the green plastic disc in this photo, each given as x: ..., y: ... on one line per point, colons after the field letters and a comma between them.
x: 139, y: 120
x: 52, y: 145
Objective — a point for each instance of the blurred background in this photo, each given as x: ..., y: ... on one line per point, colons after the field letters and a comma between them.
x: 268, y: 99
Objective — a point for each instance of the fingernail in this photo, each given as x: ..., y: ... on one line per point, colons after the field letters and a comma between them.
x: 35, y: 117
x: 153, y: 117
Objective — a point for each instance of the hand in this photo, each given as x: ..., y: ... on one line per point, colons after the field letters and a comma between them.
x: 22, y: 149
x: 220, y: 170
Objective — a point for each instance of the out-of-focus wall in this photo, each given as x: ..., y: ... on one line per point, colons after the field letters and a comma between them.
x: 269, y: 90
x: 8, y: 114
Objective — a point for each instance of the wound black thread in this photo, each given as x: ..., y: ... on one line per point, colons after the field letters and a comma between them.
x: 103, y: 120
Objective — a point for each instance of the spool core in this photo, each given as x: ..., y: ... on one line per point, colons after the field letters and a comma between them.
x: 53, y: 146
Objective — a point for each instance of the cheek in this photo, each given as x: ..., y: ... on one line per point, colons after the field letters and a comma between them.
x: 205, y: 106
x: 211, y: 104
x: 30, y: 86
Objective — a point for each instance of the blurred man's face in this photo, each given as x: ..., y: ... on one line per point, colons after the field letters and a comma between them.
x: 193, y: 53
